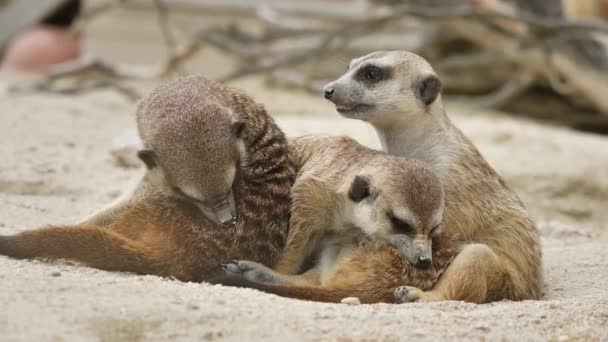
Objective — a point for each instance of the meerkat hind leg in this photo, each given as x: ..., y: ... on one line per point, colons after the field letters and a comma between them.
x: 474, y: 273
x: 95, y: 246
x: 108, y: 214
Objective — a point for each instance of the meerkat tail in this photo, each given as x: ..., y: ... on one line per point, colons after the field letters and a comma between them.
x: 94, y: 246
x: 312, y: 293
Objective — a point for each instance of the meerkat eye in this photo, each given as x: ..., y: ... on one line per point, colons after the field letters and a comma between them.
x: 434, y: 231
x: 373, y: 74
x: 400, y: 226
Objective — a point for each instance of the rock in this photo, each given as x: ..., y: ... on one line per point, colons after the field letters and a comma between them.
x: 350, y: 301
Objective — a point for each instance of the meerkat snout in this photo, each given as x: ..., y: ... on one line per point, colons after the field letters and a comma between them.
x: 423, y: 262
x: 417, y: 249
x: 423, y: 252
x: 329, y: 92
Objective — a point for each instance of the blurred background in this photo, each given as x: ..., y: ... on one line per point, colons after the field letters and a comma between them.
x: 546, y: 59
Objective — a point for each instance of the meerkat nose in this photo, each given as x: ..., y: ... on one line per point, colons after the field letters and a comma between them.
x: 329, y: 92
x: 225, y: 216
x: 423, y: 261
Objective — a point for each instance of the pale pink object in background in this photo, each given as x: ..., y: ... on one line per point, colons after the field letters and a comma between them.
x: 37, y: 48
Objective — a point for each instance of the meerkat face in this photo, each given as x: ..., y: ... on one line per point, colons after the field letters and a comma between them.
x: 402, y: 205
x: 200, y: 161
x: 381, y: 85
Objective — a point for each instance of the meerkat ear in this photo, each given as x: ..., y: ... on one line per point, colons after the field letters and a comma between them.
x: 238, y: 128
x: 359, y: 189
x: 428, y: 89
x: 148, y: 157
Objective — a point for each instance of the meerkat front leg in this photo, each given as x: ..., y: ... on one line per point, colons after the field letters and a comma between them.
x: 295, y: 252
x: 259, y: 273
x: 292, y: 258
x: 297, y: 249
x: 473, y: 274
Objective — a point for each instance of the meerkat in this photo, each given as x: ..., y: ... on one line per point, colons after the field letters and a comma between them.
x: 398, y: 93
x: 204, y: 143
x: 344, y: 195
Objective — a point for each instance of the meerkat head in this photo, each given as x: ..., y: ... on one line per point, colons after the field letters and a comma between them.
x: 195, y: 144
x: 382, y: 85
x: 400, y: 201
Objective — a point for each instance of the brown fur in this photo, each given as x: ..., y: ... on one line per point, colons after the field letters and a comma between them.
x: 362, y: 271
x: 500, y: 255
x: 157, y: 232
x: 372, y: 274
x: 322, y: 212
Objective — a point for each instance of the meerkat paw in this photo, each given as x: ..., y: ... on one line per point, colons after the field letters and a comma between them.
x: 365, y: 242
x: 252, y: 271
x: 409, y: 294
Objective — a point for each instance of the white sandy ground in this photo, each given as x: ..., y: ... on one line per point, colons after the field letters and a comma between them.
x: 55, y: 167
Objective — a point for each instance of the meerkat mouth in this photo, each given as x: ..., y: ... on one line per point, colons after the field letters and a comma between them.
x: 361, y: 107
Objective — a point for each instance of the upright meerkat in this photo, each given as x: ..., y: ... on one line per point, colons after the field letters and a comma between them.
x: 345, y: 194
x: 500, y: 258
x: 203, y: 142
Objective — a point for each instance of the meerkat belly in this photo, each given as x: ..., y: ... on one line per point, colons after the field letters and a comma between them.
x: 335, y: 250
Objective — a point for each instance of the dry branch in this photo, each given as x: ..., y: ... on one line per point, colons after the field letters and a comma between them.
x: 516, y: 51
x: 102, y: 74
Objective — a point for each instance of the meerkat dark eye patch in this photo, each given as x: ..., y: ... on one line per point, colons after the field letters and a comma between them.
x: 148, y: 157
x: 372, y: 74
x: 359, y: 189
x: 400, y: 226
x: 435, y: 230
x: 428, y: 89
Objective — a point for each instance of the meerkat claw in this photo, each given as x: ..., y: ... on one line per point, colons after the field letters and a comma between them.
x: 232, y: 269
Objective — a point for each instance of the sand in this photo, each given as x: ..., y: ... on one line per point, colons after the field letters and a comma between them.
x: 56, y: 168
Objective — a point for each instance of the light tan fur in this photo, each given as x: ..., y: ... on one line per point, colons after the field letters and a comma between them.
x: 350, y: 205
x: 500, y: 256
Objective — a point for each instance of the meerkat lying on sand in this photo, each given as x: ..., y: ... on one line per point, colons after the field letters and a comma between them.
x: 500, y: 257
x: 344, y: 194
x: 204, y: 145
